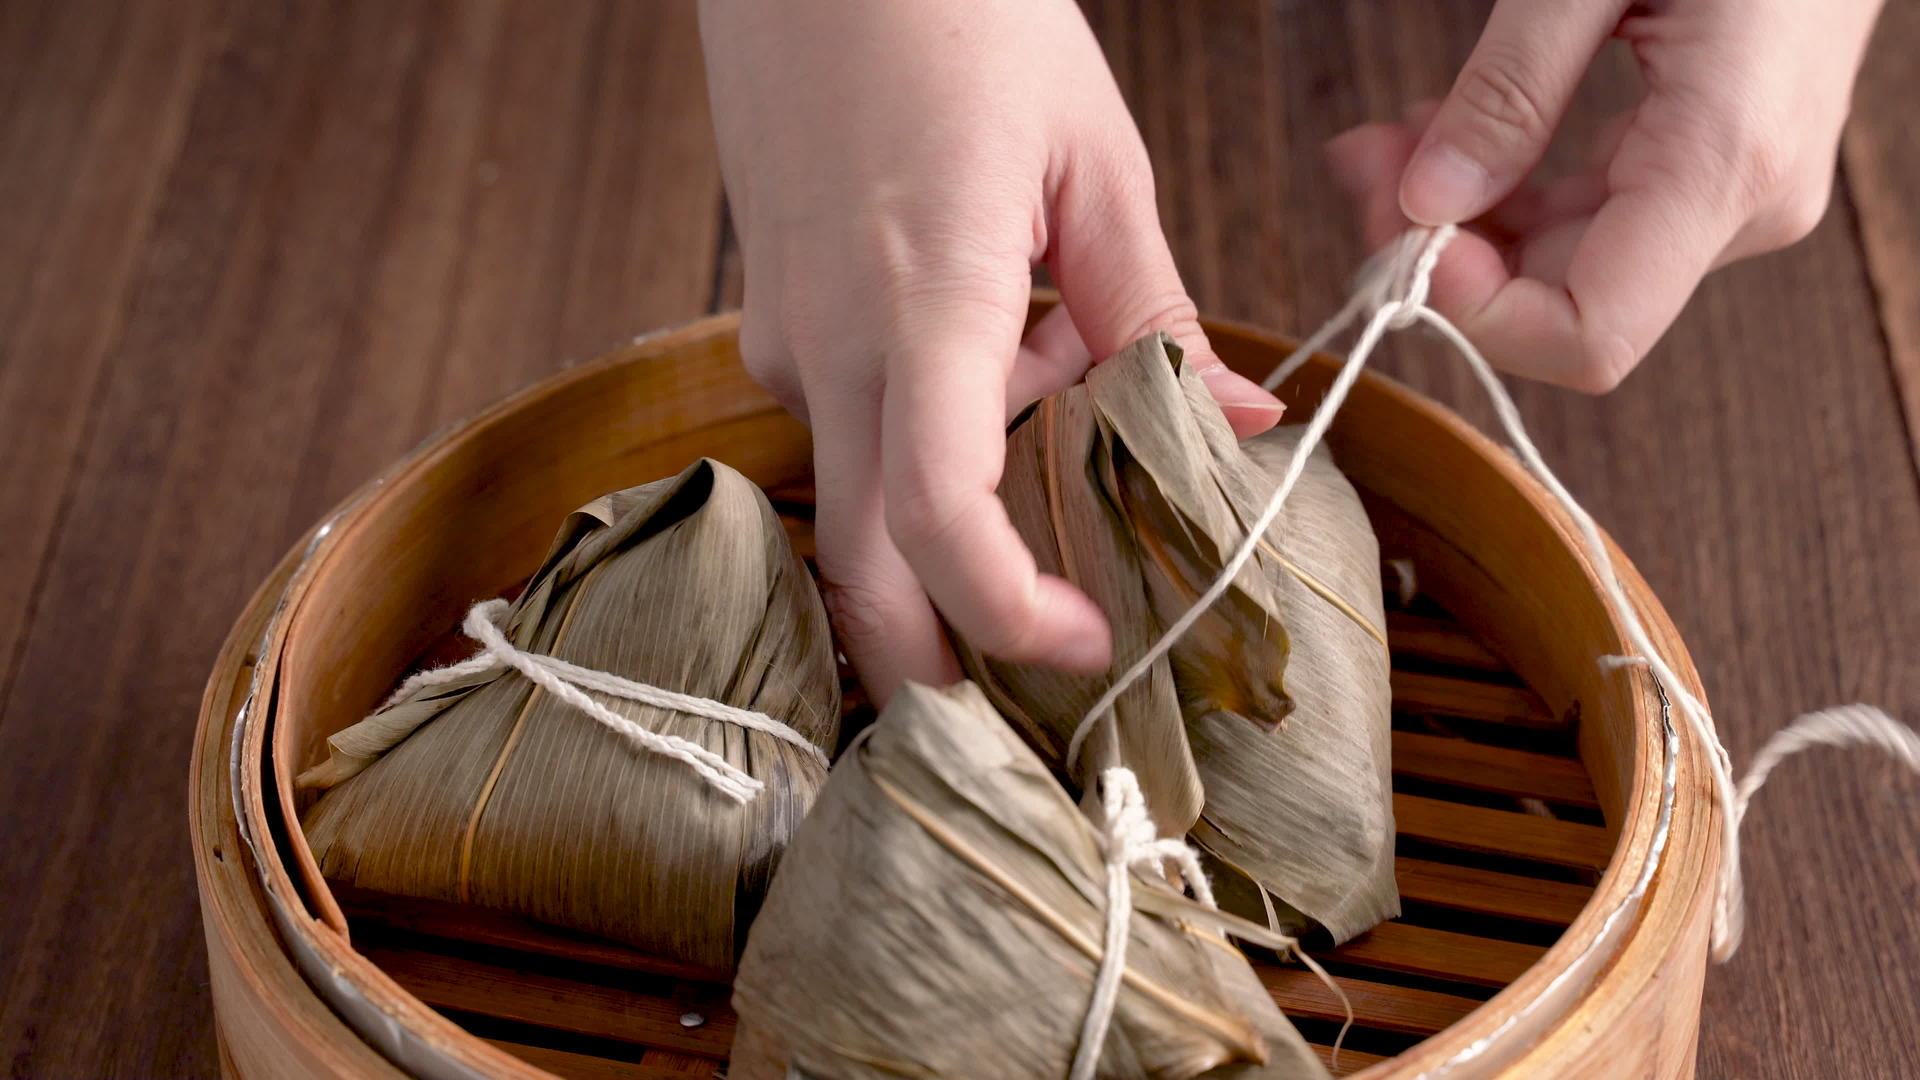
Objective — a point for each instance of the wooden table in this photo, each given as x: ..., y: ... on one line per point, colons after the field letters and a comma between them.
x: 250, y: 252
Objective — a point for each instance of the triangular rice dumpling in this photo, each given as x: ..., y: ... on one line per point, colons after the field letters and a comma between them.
x: 1133, y: 487
x: 491, y: 791
x: 1122, y: 488
x: 942, y: 915
x: 1307, y: 811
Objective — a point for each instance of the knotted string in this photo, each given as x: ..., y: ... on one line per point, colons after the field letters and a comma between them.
x: 568, y: 682
x: 1394, y: 286
x: 1128, y: 841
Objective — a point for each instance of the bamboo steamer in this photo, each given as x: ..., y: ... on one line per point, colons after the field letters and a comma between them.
x: 1548, y: 793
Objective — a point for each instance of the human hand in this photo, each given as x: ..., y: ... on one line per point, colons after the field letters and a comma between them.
x: 895, y: 169
x: 1730, y: 154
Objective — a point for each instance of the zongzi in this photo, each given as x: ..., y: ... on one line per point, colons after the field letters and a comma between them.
x: 611, y: 797
x: 1132, y: 486
x: 942, y: 914
x: 1306, y: 812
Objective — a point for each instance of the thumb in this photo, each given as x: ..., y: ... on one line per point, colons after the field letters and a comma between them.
x: 1119, y: 283
x: 1497, y: 120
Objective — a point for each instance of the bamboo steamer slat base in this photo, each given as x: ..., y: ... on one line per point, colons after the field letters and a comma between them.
x: 1556, y: 838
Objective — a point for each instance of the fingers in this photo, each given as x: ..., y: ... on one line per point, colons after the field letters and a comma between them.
x: 1496, y: 122
x: 1117, y: 277
x: 943, y: 447
x: 1367, y: 163
x: 1051, y: 359
x: 881, y: 615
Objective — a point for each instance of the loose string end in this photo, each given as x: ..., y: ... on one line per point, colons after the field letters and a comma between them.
x: 1841, y: 726
x: 1346, y: 1004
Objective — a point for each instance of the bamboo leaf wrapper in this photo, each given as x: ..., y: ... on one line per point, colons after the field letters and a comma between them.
x: 491, y: 791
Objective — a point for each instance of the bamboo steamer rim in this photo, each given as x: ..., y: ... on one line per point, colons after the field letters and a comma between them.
x: 1648, y: 909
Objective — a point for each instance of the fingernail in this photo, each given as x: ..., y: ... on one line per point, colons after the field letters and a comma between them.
x: 1085, y: 653
x: 1443, y: 187
x: 1249, y: 409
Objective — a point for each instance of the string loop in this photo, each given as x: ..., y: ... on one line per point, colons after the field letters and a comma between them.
x: 1393, y: 290
x: 569, y: 683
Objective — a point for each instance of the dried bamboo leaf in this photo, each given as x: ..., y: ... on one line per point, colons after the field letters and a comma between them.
x: 1307, y: 811
x: 1144, y: 494
x: 1122, y: 487
x: 491, y: 791
x: 942, y: 916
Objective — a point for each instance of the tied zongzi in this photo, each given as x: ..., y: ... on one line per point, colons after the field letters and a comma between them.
x: 1264, y: 731
x: 943, y: 914
x: 594, y: 800
x: 1306, y: 812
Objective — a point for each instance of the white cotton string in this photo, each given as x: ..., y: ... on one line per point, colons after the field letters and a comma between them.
x: 1862, y: 725
x: 568, y: 682
x: 1128, y: 841
x: 1385, y: 315
x: 1396, y: 288
x: 1377, y: 275
x: 1839, y: 726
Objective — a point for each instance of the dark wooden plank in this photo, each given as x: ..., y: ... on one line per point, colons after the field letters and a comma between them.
x: 1882, y: 158
x: 1346, y: 1062
x: 1379, y: 1005
x: 1439, y: 954
x: 450, y: 921
x: 531, y: 997
x: 1439, y: 641
x: 1451, y: 695
x: 375, y: 216
x: 585, y: 196
x: 569, y: 1065
x: 1488, y: 892
x: 99, y: 113
x: 676, y: 1063
x: 1502, y: 832
x: 1492, y: 768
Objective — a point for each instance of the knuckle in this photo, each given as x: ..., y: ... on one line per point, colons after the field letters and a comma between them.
x: 1797, y: 216
x: 1736, y: 158
x: 1597, y: 378
x: 859, y: 612
x: 1607, y: 362
x: 1117, y: 175
x: 1501, y: 90
x: 923, y: 514
x: 934, y: 306
x: 1164, y: 309
x: 767, y: 360
x: 1760, y: 162
x: 763, y: 349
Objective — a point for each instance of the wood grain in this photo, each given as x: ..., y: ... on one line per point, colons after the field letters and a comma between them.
x: 1384, y: 1006
x: 571, y: 1066
x: 249, y: 253
x: 1882, y: 158
x: 1492, y: 768
x: 1471, y: 699
x: 529, y: 997
x: 1483, y: 829
x: 1440, y: 954
x: 1487, y: 892
x: 1438, y: 641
